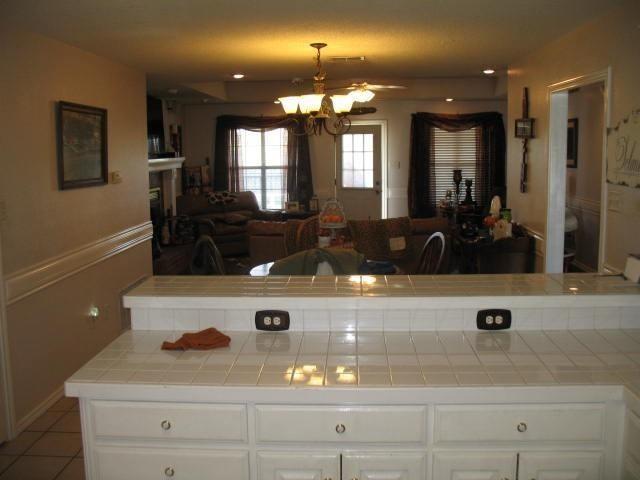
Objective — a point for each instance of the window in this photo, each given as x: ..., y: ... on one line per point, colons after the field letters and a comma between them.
x: 262, y: 165
x: 357, y: 160
x: 454, y: 150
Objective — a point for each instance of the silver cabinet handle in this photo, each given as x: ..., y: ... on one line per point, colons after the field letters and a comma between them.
x: 340, y: 428
x: 165, y: 424
x: 169, y: 471
x: 522, y: 427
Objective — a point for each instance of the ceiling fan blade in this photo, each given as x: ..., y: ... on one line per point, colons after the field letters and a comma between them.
x: 386, y: 87
x: 362, y: 110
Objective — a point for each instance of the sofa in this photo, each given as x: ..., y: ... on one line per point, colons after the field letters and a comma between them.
x: 270, y: 241
x: 226, y: 222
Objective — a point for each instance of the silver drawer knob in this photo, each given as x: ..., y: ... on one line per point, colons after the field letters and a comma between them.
x: 165, y: 424
x: 169, y: 471
x: 522, y: 427
x: 340, y: 428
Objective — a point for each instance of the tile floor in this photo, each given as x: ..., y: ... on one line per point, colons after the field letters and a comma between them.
x: 49, y: 449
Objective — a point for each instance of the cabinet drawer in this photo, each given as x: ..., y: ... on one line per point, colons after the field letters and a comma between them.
x: 632, y: 435
x: 169, y: 421
x: 340, y: 424
x: 512, y: 423
x: 116, y: 463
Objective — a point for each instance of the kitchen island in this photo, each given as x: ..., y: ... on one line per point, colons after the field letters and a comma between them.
x: 376, y: 378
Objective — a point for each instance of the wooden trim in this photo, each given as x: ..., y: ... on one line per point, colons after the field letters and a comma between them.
x: 608, y: 268
x: 46, y: 404
x: 7, y: 430
x: 23, y: 283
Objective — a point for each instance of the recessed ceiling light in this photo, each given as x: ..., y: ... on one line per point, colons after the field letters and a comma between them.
x: 238, y: 76
x: 277, y: 102
x: 449, y: 99
x: 488, y: 71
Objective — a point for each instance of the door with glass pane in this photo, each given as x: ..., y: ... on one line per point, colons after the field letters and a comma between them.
x: 359, y: 172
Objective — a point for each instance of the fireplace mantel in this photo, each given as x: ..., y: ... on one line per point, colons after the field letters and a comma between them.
x: 162, y: 164
x: 171, y: 164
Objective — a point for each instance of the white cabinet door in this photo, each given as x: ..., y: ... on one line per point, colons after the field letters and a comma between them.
x: 383, y: 466
x: 560, y: 466
x: 475, y: 466
x: 298, y: 466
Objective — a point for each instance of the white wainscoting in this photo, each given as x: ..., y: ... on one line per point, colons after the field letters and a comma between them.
x: 25, y: 282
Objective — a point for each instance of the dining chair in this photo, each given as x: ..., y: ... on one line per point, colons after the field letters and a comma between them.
x: 206, y: 258
x: 431, y: 255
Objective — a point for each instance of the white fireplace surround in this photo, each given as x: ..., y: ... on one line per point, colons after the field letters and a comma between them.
x: 171, y: 164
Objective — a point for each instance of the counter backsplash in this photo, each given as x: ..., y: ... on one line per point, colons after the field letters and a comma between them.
x: 394, y: 303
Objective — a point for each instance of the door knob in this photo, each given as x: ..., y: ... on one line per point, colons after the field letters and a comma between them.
x: 340, y: 428
x: 522, y: 427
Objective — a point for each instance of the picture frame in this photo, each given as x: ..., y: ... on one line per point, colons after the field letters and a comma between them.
x: 525, y: 128
x: 314, y: 205
x: 572, y: 143
x: 292, y: 206
x: 81, y: 141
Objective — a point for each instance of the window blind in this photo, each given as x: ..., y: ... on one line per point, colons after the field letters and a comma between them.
x: 455, y: 150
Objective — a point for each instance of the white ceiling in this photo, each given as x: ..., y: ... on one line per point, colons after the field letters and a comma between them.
x: 193, y: 41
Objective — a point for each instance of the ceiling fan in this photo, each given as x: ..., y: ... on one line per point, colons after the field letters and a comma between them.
x: 364, y: 92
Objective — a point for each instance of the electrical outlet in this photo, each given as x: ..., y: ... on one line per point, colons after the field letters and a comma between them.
x: 493, y: 319
x: 272, y: 320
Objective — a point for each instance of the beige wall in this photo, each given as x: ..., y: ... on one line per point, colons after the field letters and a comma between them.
x: 41, y: 220
x: 584, y: 183
x: 610, y: 41
x: 49, y: 333
x: 199, y: 125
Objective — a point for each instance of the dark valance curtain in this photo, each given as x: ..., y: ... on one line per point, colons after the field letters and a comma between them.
x: 225, y: 161
x: 490, y: 157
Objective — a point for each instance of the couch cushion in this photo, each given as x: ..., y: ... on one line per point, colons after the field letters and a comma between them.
x: 235, y: 218
x: 224, y: 229
x: 266, y: 228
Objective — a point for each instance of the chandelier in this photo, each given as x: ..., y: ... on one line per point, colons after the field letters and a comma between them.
x: 319, y: 112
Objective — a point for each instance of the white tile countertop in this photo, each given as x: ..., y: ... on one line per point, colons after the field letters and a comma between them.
x: 401, y: 291
x: 385, y: 286
x: 359, y: 361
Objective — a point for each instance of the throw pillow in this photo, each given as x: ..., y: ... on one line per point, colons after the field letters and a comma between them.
x: 398, y: 234
x: 369, y: 238
x: 221, y: 198
x: 381, y: 239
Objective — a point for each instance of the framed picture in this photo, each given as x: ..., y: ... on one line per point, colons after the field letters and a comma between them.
x: 314, y: 205
x: 572, y: 143
x: 524, y: 128
x: 81, y: 133
x: 292, y: 206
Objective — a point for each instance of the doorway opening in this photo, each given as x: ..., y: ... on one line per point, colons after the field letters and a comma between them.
x: 577, y: 188
x: 361, y: 174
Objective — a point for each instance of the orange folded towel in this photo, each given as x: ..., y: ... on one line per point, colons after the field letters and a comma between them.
x: 204, y: 340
